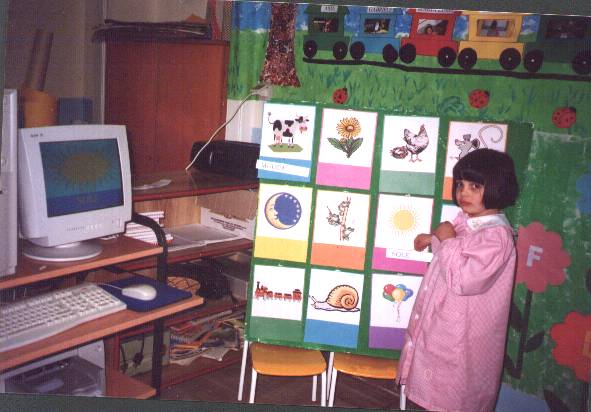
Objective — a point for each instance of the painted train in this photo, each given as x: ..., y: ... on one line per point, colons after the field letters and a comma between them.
x: 491, y: 36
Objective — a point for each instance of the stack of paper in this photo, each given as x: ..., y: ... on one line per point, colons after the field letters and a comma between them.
x: 144, y: 233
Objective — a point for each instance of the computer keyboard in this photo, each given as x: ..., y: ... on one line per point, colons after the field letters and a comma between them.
x: 39, y: 317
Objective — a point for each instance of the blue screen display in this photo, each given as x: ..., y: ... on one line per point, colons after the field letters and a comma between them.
x: 81, y: 175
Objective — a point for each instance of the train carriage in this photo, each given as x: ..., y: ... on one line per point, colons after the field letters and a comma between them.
x: 326, y: 30
x: 376, y: 34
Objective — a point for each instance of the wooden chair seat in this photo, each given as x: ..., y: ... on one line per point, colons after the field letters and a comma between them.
x: 286, y: 361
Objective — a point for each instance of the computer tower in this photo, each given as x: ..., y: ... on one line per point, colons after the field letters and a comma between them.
x: 8, y: 185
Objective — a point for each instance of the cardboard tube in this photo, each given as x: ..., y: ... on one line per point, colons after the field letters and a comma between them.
x: 38, y: 108
x: 37, y: 69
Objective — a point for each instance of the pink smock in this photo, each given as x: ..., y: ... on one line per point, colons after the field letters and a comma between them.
x: 455, y: 342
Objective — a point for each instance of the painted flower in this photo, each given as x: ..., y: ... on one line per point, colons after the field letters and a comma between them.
x: 540, y: 258
x: 349, y: 127
x: 584, y: 188
x: 573, y: 344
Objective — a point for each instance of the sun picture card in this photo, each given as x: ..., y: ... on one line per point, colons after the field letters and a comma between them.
x: 399, y: 220
x: 392, y: 299
x: 277, y: 302
x: 333, y: 307
x: 287, y: 142
x: 345, y: 156
x: 465, y: 137
x: 283, y: 221
x: 409, y: 155
x: 340, y: 229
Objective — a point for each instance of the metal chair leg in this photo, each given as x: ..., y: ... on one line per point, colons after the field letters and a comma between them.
x: 242, y: 370
x: 253, y: 386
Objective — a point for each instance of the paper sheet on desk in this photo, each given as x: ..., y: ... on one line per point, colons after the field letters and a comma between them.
x: 197, y: 235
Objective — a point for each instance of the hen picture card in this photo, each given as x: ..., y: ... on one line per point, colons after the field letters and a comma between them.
x: 392, y: 299
x: 464, y: 137
x: 346, y: 150
x: 340, y: 229
x: 399, y: 220
x: 283, y: 222
x: 287, y: 138
x: 333, y: 307
x: 409, y: 154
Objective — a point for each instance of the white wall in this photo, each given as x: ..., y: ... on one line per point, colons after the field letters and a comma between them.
x: 155, y: 10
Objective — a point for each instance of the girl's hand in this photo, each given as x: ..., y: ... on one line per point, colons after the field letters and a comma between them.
x: 445, y: 230
x: 422, y: 241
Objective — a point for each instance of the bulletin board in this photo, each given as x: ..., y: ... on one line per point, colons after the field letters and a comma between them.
x: 343, y: 193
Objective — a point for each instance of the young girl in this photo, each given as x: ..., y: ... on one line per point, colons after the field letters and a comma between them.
x: 455, y: 342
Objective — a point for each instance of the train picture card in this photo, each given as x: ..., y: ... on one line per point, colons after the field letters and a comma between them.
x: 464, y: 137
x: 399, y: 220
x: 340, y: 229
x: 287, y: 141
x: 392, y: 299
x: 277, y: 302
x: 346, y: 150
x: 333, y: 307
x: 409, y: 154
x: 283, y: 222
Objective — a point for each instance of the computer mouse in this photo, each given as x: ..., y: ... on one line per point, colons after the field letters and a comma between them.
x: 139, y: 291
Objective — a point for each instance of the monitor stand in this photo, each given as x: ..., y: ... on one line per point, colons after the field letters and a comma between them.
x: 63, y: 253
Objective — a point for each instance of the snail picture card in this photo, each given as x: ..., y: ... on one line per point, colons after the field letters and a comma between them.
x: 409, y: 155
x: 277, y: 302
x: 283, y: 222
x: 346, y: 152
x: 399, y: 220
x: 287, y: 142
x: 464, y: 137
x: 340, y: 229
x: 392, y: 299
x: 333, y: 307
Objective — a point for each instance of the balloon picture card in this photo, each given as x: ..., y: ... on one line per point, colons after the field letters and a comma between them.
x: 346, y: 150
x: 287, y: 141
x: 399, y: 220
x: 340, y: 229
x: 464, y: 137
x: 409, y: 155
x: 333, y: 307
x: 283, y: 222
x: 392, y: 299
x: 277, y: 302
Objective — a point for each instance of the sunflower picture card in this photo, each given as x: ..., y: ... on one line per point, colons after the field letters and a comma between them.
x: 287, y: 142
x: 409, y: 155
x: 283, y: 222
x: 346, y: 150
x: 399, y: 220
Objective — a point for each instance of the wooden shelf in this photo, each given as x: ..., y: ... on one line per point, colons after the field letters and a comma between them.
x: 123, y: 386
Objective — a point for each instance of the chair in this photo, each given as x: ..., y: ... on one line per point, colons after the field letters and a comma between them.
x: 276, y: 360
x: 360, y: 365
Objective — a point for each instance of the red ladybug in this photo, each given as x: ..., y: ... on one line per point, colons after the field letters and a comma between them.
x: 564, y: 117
x: 479, y: 98
x: 340, y: 96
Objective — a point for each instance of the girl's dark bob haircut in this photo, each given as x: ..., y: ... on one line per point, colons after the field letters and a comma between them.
x: 493, y: 169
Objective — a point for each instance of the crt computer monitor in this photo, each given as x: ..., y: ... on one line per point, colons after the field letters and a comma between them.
x: 74, y: 186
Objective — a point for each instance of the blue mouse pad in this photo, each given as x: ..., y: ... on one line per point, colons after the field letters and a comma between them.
x: 165, y: 294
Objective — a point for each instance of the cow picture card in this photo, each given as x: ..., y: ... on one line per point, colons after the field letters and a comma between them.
x: 287, y: 142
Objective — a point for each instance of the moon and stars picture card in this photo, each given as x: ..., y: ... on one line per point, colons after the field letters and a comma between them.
x: 287, y: 141
x: 465, y: 137
x: 340, y: 229
x: 333, y: 307
x: 277, y: 302
x: 409, y: 155
x: 399, y: 220
x: 392, y: 299
x: 283, y: 222
x: 346, y: 150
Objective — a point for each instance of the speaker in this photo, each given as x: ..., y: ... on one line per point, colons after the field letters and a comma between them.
x: 226, y: 157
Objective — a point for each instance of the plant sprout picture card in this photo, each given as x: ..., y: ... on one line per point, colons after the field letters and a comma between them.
x: 287, y: 140
x: 409, y: 154
x: 277, y: 302
x: 340, y: 229
x: 392, y: 299
x: 399, y: 220
x: 333, y: 308
x: 346, y: 149
x: 283, y: 221
x: 465, y: 137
